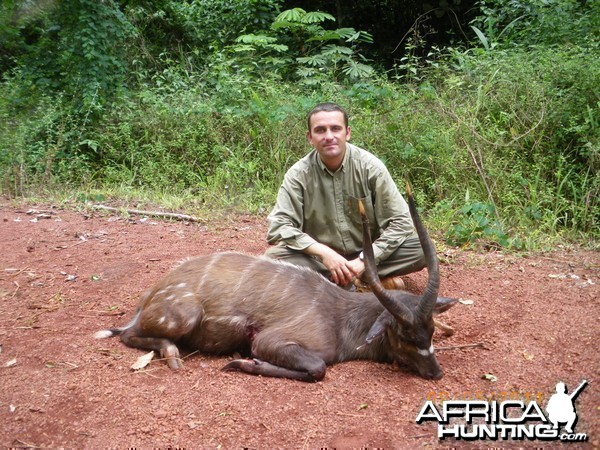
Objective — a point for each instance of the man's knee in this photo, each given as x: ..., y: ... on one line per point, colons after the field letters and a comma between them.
x: 294, y: 257
x: 408, y: 258
x: 276, y: 252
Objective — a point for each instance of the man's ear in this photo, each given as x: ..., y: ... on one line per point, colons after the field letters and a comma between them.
x: 348, y: 133
x: 309, y: 137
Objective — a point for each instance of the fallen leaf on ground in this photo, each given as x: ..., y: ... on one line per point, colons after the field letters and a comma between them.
x: 11, y: 363
x: 527, y: 356
x: 142, y: 361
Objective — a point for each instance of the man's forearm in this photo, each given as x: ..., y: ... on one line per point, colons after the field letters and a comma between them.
x: 319, y: 250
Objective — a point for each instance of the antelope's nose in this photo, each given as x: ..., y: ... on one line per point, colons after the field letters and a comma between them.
x: 433, y: 374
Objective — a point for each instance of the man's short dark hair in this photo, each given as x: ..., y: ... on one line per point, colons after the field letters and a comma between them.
x: 328, y: 106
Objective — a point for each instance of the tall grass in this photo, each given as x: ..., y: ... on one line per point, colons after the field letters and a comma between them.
x: 515, y: 132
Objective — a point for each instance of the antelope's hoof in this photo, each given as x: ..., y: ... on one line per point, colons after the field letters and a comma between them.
x: 245, y: 365
x: 171, y: 355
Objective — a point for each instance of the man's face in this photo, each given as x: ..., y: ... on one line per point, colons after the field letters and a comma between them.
x: 328, y: 134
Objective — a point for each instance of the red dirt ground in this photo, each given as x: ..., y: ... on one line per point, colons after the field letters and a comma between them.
x: 66, y: 274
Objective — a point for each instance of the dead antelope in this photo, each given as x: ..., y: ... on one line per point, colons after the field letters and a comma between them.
x: 290, y: 320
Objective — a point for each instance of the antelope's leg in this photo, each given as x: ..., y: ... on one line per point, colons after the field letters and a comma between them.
x: 258, y: 367
x: 167, y: 349
x: 446, y: 329
x: 278, y: 356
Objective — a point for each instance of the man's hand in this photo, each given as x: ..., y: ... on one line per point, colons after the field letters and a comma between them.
x: 342, y: 271
x: 357, y: 266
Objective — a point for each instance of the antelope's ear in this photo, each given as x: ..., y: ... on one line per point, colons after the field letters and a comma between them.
x: 444, y: 304
x: 384, y: 320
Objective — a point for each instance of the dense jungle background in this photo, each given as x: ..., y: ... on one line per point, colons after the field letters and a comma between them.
x: 490, y: 107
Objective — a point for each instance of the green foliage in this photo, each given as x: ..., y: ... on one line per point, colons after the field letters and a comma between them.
x: 38, y: 147
x: 204, y: 101
x: 477, y: 223
x: 323, y: 54
x: 16, y: 25
x: 189, y: 31
x: 537, y: 22
x: 533, y: 138
x: 318, y: 55
x: 79, y: 54
x: 292, y: 18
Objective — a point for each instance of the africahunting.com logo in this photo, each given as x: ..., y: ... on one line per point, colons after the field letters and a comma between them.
x: 505, y: 419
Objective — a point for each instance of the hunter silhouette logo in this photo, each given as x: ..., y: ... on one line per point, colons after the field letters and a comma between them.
x: 508, y: 419
x: 561, y: 406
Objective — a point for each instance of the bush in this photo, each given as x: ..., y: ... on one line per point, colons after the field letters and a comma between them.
x: 502, y: 142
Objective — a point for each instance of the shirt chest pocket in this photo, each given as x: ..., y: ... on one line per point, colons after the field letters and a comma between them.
x: 353, y: 213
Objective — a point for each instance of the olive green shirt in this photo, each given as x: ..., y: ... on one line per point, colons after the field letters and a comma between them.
x: 316, y: 205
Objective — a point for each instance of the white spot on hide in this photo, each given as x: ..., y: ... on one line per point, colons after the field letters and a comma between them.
x: 191, y: 322
x: 426, y: 352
